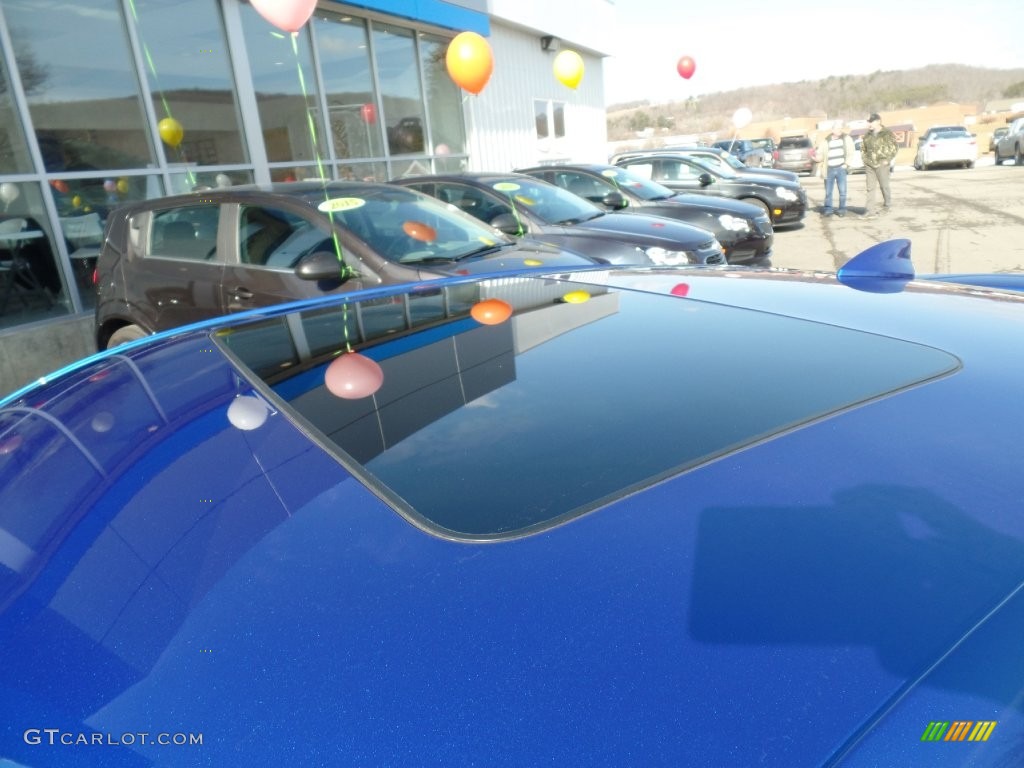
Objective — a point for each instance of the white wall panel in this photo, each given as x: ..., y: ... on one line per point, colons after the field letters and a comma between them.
x: 561, y: 18
x: 500, y: 118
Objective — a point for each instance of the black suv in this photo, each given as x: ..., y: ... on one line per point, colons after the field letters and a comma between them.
x: 796, y: 153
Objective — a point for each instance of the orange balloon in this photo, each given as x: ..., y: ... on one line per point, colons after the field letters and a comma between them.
x: 491, y: 311
x: 469, y: 61
x: 417, y: 230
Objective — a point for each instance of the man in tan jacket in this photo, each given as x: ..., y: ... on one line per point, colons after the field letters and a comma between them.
x: 835, y: 152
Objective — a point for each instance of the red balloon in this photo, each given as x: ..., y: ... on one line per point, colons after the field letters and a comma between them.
x: 491, y: 311
x: 417, y: 230
x: 369, y: 113
x: 686, y: 67
x: 680, y: 290
x: 352, y: 376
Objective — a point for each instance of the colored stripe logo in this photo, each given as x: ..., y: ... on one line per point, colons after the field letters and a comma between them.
x: 959, y: 730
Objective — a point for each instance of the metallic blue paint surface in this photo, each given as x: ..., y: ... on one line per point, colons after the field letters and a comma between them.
x: 816, y: 598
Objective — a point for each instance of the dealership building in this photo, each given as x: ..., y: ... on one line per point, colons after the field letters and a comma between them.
x: 104, y: 102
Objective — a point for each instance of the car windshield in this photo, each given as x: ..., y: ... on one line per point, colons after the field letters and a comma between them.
x: 405, y: 226
x: 637, y: 185
x: 716, y: 168
x: 550, y: 204
x: 475, y: 429
x: 731, y: 160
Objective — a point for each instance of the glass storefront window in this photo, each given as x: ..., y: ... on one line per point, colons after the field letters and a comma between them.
x: 282, y: 74
x: 400, y: 169
x: 558, y: 119
x: 399, y: 78
x: 30, y: 283
x: 186, y: 55
x: 14, y: 157
x: 363, y: 171
x: 190, y: 182
x: 444, y: 99
x: 344, y: 53
x: 540, y: 116
x: 450, y: 164
x: 300, y: 173
x: 80, y: 82
x: 82, y: 209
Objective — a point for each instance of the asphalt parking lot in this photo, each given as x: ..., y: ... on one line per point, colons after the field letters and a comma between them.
x: 958, y: 220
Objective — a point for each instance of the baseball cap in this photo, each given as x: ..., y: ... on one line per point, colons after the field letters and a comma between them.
x: 874, y: 116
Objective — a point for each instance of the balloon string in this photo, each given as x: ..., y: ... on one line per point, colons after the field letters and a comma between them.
x: 515, y: 215
x: 163, y: 97
x: 345, y: 271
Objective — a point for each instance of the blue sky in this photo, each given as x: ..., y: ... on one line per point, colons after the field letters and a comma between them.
x: 743, y: 43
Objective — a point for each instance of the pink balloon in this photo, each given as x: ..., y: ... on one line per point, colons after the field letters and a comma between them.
x: 289, y: 15
x: 352, y: 376
x: 682, y: 289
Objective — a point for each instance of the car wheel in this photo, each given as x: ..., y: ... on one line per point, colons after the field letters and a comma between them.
x: 995, y: 157
x: 1019, y: 159
x: 125, y: 334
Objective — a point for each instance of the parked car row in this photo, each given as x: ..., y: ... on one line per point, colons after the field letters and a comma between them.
x: 177, y: 260
x: 745, y: 231
x: 785, y: 201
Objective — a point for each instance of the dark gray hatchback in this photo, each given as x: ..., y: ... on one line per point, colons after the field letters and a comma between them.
x: 176, y: 260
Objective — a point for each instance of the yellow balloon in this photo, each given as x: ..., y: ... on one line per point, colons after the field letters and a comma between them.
x: 569, y: 68
x: 575, y: 297
x: 122, y: 186
x: 76, y: 201
x: 171, y: 131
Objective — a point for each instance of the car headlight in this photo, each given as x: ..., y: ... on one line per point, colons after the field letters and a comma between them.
x: 786, y: 194
x: 668, y: 258
x: 734, y: 223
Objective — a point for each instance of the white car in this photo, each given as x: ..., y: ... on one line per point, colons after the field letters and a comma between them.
x: 953, y: 146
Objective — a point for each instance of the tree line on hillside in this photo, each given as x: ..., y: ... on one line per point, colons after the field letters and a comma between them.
x: 842, y: 95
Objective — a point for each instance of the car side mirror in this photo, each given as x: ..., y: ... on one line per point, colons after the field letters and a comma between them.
x: 507, y: 223
x: 320, y: 265
x: 705, y: 179
x: 615, y: 200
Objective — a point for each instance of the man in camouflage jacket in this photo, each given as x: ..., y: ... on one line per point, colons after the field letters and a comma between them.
x: 878, y: 149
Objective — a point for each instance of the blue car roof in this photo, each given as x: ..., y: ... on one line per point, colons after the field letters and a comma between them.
x: 648, y: 516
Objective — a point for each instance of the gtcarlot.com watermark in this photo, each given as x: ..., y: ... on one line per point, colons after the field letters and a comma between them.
x: 56, y: 737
